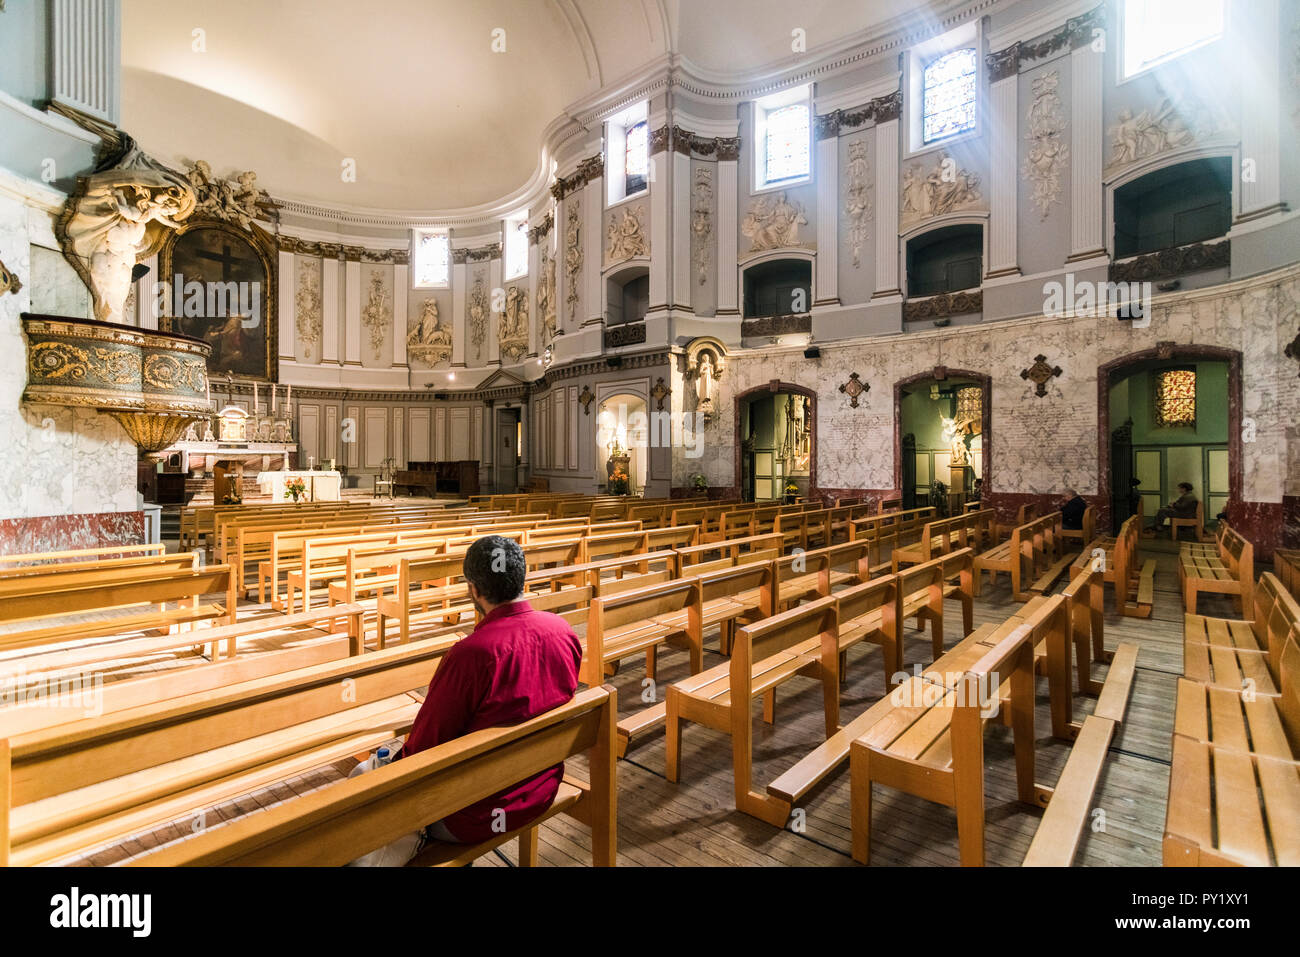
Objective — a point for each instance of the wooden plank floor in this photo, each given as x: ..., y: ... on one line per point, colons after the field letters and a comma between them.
x: 694, y: 823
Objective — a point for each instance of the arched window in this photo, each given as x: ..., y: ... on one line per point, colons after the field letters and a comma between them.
x: 948, y: 93
x: 786, y: 143
x: 636, y: 158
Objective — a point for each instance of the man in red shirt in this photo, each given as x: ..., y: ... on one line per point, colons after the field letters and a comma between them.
x: 515, y: 665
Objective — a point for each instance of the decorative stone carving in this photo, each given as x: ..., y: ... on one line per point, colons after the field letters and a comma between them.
x: 1169, y: 127
x: 593, y: 167
x: 1169, y: 263
x: 880, y: 110
x: 728, y: 148
x: 857, y: 205
x: 429, y: 340
x: 628, y: 334
x: 774, y: 326
x: 853, y: 389
x: 1040, y: 373
x: 8, y: 281
x: 118, y: 215
x: 513, y: 326
x: 944, y: 189
x: 309, y: 319
x: 773, y: 223
x: 586, y: 398
x: 702, y: 222
x: 378, y: 312
x: 659, y: 393
x: 539, y: 232
x: 942, y: 306
x: 546, y: 293
x: 573, y: 254
x: 1048, y: 150
x: 478, y: 315
x: 627, y: 236
x: 240, y: 201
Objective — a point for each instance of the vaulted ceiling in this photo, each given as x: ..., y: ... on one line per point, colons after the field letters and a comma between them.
x: 411, y: 91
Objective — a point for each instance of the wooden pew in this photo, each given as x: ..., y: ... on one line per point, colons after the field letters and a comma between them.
x: 631, y: 623
x: 1229, y: 572
x: 946, y: 535
x: 1234, y: 780
x: 809, y: 640
x: 1085, y: 534
x: 339, y: 823
x: 1286, y: 566
x: 1033, y: 550
x: 1118, y: 559
x: 1025, y: 513
x: 932, y: 746
x: 9, y: 564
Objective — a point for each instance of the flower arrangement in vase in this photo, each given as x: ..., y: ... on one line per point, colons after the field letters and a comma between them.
x: 296, y: 489
x: 618, y: 483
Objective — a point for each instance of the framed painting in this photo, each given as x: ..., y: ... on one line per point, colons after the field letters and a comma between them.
x: 221, y: 288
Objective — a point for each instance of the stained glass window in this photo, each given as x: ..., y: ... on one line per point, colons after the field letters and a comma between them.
x: 432, y: 259
x: 949, y: 95
x: 516, y: 248
x: 1176, y: 398
x: 786, y: 143
x: 1156, y: 31
x: 636, y: 158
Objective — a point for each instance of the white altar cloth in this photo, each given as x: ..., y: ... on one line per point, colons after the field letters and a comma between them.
x: 321, y: 486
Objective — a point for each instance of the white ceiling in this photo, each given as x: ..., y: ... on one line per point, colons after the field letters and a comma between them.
x: 411, y: 89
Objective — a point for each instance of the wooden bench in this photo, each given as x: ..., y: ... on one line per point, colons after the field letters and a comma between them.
x: 1086, y: 533
x: 809, y: 640
x: 1196, y: 523
x: 932, y: 744
x: 1286, y: 566
x: 10, y: 564
x: 1033, y: 550
x: 636, y: 622
x: 1234, y: 780
x: 945, y: 535
x: 1117, y: 558
x: 1025, y: 513
x: 339, y: 823
x: 80, y: 785
x: 1229, y: 572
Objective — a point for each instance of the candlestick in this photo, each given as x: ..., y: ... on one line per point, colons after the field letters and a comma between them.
x: 256, y: 407
x: 273, y: 391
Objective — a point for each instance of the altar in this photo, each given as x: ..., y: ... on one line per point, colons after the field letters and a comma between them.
x: 321, y: 486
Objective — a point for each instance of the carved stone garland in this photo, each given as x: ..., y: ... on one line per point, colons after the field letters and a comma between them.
x: 378, y: 313
x: 857, y: 204
x: 308, y: 314
x: 573, y: 255
x: 1048, y: 150
x: 702, y: 222
x: 478, y: 315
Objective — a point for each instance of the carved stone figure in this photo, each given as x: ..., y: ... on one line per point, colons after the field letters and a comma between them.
x: 478, y: 313
x: 626, y: 236
x: 377, y: 313
x: 429, y: 340
x: 308, y: 314
x: 857, y: 205
x: 546, y: 292
x: 1169, y: 127
x: 772, y: 224
x: 514, y: 323
x: 117, y: 216
x: 1048, y: 150
x: 240, y: 202
x: 944, y: 189
x: 573, y: 254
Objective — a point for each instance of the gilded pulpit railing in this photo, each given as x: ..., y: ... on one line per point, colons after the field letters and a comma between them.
x: 153, y: 383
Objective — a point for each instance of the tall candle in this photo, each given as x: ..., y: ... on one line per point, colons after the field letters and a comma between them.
x: 256, y: 408
x: 273, y: 391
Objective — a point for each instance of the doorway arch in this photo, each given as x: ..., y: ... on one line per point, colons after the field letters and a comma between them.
x: 1110, y: 372
x: 771, y: 388
x: 939, y: 374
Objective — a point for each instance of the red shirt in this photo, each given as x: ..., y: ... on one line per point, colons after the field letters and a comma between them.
x: 517, y: 664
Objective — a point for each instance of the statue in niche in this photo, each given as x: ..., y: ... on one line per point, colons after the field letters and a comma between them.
x: 626, y: 236
x: 429, y: 340
x: 478, y: 312
x: 773, y: 224
x: 705, y: 382
x: 118, y: 215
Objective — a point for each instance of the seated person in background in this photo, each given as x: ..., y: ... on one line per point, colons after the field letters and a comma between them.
x: 515, y: 665
x: 1182, y: 507
x: 1072, y: 509
x: 977, y: 491
x: 1134, y: 496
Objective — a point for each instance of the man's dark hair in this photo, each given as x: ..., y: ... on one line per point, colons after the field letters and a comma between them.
x: 1186, y: 485
x: 495, y: 566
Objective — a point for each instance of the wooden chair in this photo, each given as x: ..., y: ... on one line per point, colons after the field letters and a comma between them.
x: 1196, y: 524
